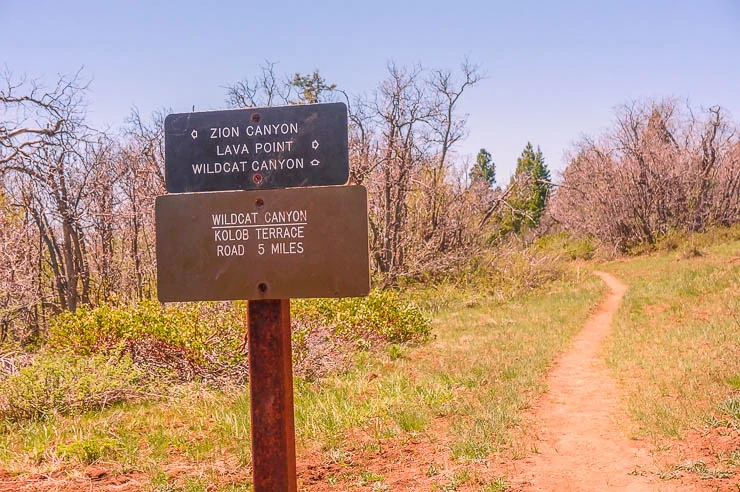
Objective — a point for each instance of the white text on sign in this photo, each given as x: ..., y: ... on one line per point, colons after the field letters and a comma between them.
x: 275, y: 232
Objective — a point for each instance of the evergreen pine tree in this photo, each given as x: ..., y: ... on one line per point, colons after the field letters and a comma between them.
x: 311, y: 88
x: 484, y: 169
x: 531, y: 190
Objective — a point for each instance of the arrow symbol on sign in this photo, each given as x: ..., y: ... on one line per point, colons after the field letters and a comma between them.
x: 315, y: 144
x: 194, y: 134
x: 315, y: 162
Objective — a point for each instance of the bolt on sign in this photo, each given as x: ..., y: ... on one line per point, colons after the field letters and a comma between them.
x: 257, y: 148
x: 271, y: 244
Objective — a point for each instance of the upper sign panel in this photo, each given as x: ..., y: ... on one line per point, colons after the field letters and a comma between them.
x: 257, y: 148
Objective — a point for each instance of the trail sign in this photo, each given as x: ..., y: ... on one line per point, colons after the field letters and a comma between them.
x: 257, y: 148
x: 266, y: 244
x: 308, y: 239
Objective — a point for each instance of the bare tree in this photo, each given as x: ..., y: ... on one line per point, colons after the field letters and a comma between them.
x: 20, y: 295
x: 400, y: 110
x: 44, y: 149
x: 140, y: 161
x: 33, y: 116
x: 264, y: 89
x: 660, y: 168
x: 102, y: 206
x: 269, y: 89
x: 401, y: 141
x: 447, y: 129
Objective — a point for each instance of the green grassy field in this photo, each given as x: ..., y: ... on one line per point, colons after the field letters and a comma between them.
x: 484, y: 366
x: 474, y: 380
x: 675, y: 346
x: 674, y: 350
x: 677, y: 334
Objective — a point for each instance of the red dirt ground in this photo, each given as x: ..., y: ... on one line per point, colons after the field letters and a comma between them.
x: 580, y: 442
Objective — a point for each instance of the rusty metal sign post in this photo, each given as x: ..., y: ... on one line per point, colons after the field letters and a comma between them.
x: 280, y: 240
x: 271, y: 392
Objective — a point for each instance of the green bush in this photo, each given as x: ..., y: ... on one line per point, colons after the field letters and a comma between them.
x: 380, y: 317
x: 68, y: 384
x: 191, y: 340
x: 206, y: 340
x: 89, y: 450
x: 583, y: 248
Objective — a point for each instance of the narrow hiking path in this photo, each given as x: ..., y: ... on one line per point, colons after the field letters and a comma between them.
x: 580, y: 441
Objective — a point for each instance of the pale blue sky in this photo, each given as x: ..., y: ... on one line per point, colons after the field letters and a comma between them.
x: 555, y: 70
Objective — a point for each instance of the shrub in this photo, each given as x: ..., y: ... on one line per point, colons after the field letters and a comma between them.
x: 380, y: 317
x: 660, y: 167
x: 206, y: 340
x: 68, y: 384
x: 583, y: 248
x: 89, y: 450
x: 187, y: 340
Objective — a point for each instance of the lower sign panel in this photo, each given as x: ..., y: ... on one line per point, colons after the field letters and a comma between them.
x: 272, y: 244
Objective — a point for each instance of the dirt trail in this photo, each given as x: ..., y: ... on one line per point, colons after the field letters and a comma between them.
x: 581, y: 442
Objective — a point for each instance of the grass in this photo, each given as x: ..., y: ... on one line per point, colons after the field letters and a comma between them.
x: 198, y: 427
x: 468, y: 386
x: 675, y: 351
x: 675, y: 342
x: 484, y: 368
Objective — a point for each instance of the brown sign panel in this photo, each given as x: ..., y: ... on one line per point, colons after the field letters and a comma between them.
x: 271, y: 244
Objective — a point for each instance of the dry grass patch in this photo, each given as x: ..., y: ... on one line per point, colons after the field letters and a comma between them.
x: 675, y: 349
